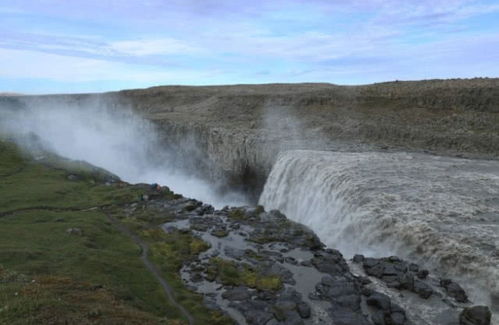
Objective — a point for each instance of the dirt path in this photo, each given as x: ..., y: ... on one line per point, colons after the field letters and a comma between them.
x: 143, y: 246
x: 152, y: 268
x: 41, y: 207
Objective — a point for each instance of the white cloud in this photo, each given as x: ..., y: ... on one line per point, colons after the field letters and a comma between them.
x: 165, y: 46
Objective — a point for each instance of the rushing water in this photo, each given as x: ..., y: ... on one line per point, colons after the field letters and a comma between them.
x: 443, y: 212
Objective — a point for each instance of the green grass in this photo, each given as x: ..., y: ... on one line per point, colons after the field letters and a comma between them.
x: 61, y: 300
x: 38, y: 203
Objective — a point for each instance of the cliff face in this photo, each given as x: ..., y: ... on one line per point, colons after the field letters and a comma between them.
x: 236, y: 132
x: 240, y: 129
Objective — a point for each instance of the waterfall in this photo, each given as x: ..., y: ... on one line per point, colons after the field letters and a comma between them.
x: 440, y: 211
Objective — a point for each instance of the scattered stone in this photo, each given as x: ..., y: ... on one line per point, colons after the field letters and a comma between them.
x: 476, y: 315
x: 399, y: 274
x: 454, y: 290
x: 380, y: 301
x: 234, y: 253
x: 422, y: 274
x: 236, y: 294
x: 220, y: 232
x: 74, y: 231
x: 358, y: 258
x: 304, y: 310
x: 422, y: 289
x: 73, y: 177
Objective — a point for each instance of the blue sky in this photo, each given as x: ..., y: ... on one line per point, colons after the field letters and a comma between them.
x: 54, y: 46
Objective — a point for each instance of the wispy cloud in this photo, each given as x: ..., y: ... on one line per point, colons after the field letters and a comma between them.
x: 166, y: 46
x: 33, y: 65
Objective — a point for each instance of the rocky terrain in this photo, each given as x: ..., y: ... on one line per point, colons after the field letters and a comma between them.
x: 259, y: 267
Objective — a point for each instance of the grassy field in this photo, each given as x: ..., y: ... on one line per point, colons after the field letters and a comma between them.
x: 63, y: 262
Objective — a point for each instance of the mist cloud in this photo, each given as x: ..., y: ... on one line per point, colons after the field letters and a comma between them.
x: 110, y: 137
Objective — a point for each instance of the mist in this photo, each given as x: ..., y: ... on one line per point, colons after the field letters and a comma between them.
x: 109, y: 135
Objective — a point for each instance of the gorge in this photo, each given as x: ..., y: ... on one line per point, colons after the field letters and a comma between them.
x: 404, y: 168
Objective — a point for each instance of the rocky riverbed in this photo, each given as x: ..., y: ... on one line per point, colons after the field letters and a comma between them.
x: 261, y: 268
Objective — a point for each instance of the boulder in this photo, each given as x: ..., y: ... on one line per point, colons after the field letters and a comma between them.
x: 454, y: 290
x: 476, y: 315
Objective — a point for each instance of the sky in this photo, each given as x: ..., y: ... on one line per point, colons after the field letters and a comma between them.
x: 61, y: 46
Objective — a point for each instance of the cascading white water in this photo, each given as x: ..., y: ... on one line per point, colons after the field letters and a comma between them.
x: 443, y: 212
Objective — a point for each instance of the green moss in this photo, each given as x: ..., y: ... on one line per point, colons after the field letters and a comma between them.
x: 169, y: 251
x: 237, y: 214
x: 254, y: 255
x: 234, y: 274
x: 220, y: 233
x: 198, y: 246
x: 259, y: 209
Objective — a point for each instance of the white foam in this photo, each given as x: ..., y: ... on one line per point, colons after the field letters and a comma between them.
x: 443, y: 212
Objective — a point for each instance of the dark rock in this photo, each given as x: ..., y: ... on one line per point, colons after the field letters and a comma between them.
x: 327, y: 280
x: 254, y: 311
x: 285, y: 305
x: 394, y: 308
x: 378, y: 317
x: 286, y: 311
x: 397, y: 318
x: 235, y: 253
x: 236, y: 294
x: 196, y: 277
x: 364, y: 280
x: 476, y: 315
x: 389, y: 269
x: 370, y: 262
x: 265, y: 295
x: 358, y: 258
x: 414, y: 267
x: 349, y: 301
x: 376, y: 270
x: 394, y: 259
x: 344, y: 316
x: 422, y: 274
x: 322, y: 290
x: 422, y: 289
x: 380, y: 301
x: 220, y: 232
x: 276, y: 269
x: 306, y: 263
x: 366, y: 291
x: 199, y: 226
x: 330, y: 265
x: 257, y: 317
x: 454, y: 290
x: 304, y: 310
x: 342, y: 287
